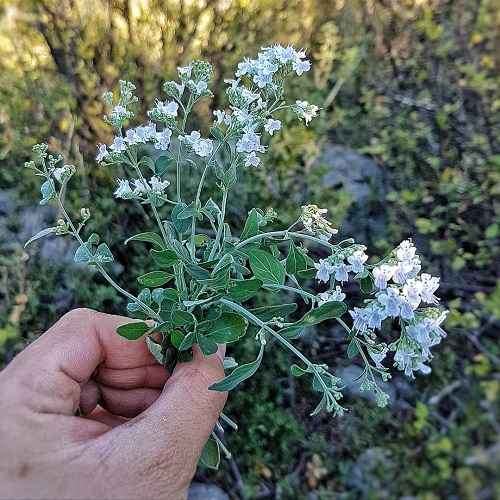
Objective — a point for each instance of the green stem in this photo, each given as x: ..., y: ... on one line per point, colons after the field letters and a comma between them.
x: 291, y: 289
x: 99, y: 267
x: 221, y: 225
x: 284, y: 234
x: 261, y: 324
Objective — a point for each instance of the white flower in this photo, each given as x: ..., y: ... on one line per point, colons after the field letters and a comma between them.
x: 185, y: 71
x: 58, y: 173
x: 141, y: 187
x: 391, y: 301
x: 158, y: 185
x: 357, y: 259
x: 324, y: 270
x: 382, y: 274
x: 300, y: 66
x: 341, y: 272
x: 163, y: 139
x: 118, y: 145
x: 169, y: 108
x: 272, y: 125
x: 429, y: 285
x: 406, y: 251
x: 412, y: 290
x: 252, y: 159
x: 123, y: 188
x: 331, y: 295
x: 305, y: 111
x: 102, y: 152
x: 361, y: 318
x: 378, y: 357
x: 203, y: 147
x: 221, y: 117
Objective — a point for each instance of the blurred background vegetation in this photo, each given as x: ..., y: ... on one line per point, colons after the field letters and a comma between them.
x: 407, y: 145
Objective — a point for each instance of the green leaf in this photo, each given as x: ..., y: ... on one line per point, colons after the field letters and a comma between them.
x: 182, y: 318
x: 332, y: 309
x: 297, y: 371
x: 84, y: 252
x: 197, y: 272
x: 41, y: 234
x: 177, y: 338
x: 251, y: 225
x: 295, y: 261
x: 161, y: 164
x: 210, y: 456
x: 269, y: 312
x: 308, y: 273
x: 157, y: 295
x: 352, y: 349
x: 103, y: 254
x: 229, y: 327
x: 133, y: 331
x: 155, y: 278
x: 150, y: 237
x: 188, y: 341
x: 217, y: 133
x: 165, y: 258
x: 48, y: 191
x: 171, y: 294
x: 230, y: 177
x: 239, y: 374
x: 146, y: 160
x: 155, y: 349
x: 207, y: 345
x: 200, y: 240
x: 266, y: 267
x: 181, y: 225
x: 241, y: 290
x: 211, y: 209
x: 366, y: 284
x: 189, y: 211
x: 220, y: 278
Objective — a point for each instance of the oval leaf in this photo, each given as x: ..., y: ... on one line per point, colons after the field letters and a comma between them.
x: 229, y: 327
x: 238, y: 375
x: 155, y: 278
x: 133, y: 331
x: 210, y: 456
x: 165, y: 258
x: 244, y: 289
x: 266, y: 267
x: 150, y: 237
x: 207, y: 346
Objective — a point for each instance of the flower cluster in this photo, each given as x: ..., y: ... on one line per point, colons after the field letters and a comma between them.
x: 314, y: 222
x: 142, y: 188
x: 402, y: 299
x: 305, y: 111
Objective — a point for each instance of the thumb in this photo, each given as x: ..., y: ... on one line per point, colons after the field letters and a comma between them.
x: 165, y: 442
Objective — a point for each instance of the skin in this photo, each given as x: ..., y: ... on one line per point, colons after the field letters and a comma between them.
x: 141, y: 431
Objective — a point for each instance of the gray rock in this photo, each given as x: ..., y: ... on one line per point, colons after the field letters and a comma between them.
x: 201, y: 491
x: 360, y: 177
x: 29, y: 220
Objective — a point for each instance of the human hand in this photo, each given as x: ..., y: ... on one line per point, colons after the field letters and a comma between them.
x: 142, y: 431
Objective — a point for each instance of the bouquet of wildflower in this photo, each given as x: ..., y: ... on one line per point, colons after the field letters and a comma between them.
x: 203, y: 272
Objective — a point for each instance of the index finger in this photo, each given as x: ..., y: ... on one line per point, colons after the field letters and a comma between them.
x: 67, y: 355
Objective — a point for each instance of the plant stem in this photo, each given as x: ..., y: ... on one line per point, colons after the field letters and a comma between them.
x: 291, y: 289
x: 261, y: 324
x: 221, y: 225
x: 99, y: 267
